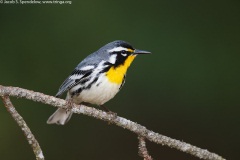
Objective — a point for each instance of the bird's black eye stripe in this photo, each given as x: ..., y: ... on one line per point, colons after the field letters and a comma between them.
x: 120, y: 60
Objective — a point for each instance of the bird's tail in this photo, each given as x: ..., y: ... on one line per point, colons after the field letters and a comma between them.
x: 60, y: 117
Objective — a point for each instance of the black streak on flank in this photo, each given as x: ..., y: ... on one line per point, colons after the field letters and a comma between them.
x: 80, y: 89
x: 83, y: 81
x: 90, y: 85
x: 107, y: 66
x: 104, y: 70
x: 99, y: 84
x: 77, y: 92
x: 83, y: 78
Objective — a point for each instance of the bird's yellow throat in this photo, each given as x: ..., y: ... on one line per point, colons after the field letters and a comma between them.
x: 116, y: 74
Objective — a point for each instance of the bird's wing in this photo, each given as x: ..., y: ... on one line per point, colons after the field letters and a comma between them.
x: 83, y: 70
x: 79, y: 73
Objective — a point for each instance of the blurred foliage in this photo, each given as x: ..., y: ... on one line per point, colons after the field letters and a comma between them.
x: 187, y: 89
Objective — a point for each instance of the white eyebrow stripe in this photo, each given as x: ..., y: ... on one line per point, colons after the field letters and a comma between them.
x: 116, y: 49
x: 85, y: 68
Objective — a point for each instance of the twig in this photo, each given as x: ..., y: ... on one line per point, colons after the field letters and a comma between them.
x: 26, y: 130
x: 119, y: 121
x: 142, y: 149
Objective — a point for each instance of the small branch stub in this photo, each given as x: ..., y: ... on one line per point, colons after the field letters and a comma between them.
x: 142, y: 149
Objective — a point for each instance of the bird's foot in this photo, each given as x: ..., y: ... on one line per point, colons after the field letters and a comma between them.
x: 69, y: 105
x: 113, y: 116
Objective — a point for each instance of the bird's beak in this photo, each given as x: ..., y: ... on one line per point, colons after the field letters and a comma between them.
x: 137, y: 51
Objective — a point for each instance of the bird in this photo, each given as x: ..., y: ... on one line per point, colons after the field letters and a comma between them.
x: 96, y: 79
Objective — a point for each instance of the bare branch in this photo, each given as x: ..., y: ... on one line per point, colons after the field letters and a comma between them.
x: 119, y: 121
x: 143, y: 149
x: 26, y: 130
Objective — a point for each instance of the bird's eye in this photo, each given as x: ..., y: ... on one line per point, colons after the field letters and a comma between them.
x: 124, y: 53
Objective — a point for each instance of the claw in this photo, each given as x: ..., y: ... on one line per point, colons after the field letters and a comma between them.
x: 112, y: 114
x: 69, y: 105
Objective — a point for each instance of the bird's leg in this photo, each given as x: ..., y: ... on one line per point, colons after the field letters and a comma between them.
x: 105, y: 108
x: 86, y: 104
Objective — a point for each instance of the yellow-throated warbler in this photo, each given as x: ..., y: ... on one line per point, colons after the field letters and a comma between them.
x: 98, y: 78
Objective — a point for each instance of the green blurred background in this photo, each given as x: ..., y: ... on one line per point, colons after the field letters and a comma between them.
x: 187, y: 89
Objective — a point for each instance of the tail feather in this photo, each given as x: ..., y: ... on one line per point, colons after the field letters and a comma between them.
x: 60, y: 117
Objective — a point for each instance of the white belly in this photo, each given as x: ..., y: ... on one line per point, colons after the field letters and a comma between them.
x: 98, y: 94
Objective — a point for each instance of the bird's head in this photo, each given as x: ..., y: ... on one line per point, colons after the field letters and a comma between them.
x: 121, y: 53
